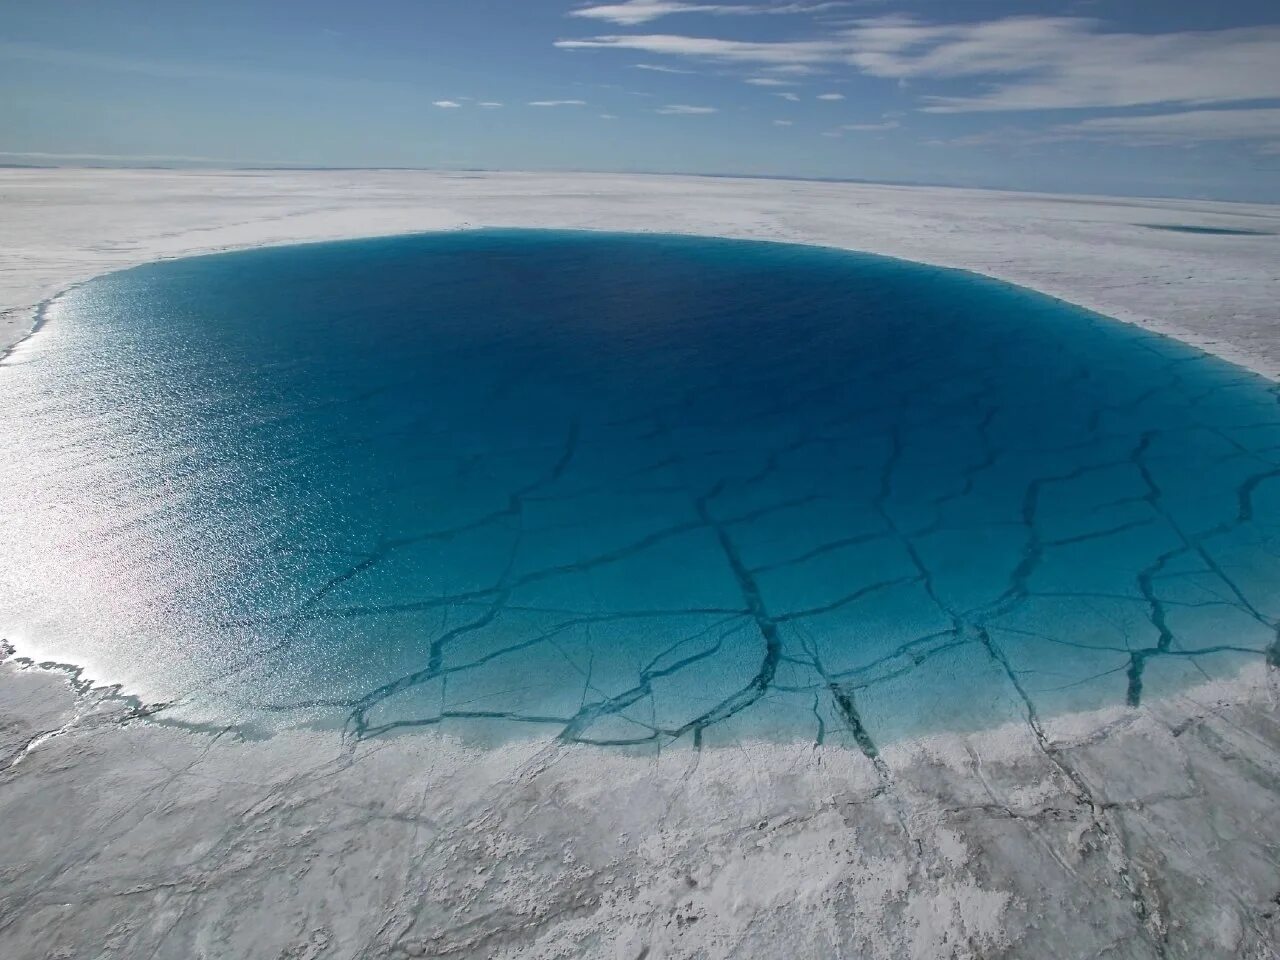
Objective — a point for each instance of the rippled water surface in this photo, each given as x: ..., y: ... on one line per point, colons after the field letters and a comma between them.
x: 624, y: 489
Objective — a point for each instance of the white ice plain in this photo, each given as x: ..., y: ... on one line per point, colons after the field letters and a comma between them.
x: 1127, y: 833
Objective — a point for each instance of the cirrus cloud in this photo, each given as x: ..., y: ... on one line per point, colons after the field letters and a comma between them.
x: 741, y: 51
x: 630, y: 13
x: 1022, y: 62
x: 1069, y: 62
x: 1188, y: 126
x: 871, y: 127
x: 659, y: 68
x: 684, y: 110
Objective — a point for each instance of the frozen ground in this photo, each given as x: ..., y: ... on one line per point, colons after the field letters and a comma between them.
x: 1130, y: 834
x: 1139, y: 833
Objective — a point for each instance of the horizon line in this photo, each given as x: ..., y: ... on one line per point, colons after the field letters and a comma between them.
x: 259, y: 167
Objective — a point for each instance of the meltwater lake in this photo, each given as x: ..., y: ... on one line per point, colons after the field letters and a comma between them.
x: 625, y: 489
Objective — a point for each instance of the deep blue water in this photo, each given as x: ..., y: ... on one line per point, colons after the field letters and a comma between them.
x: 626, y: 488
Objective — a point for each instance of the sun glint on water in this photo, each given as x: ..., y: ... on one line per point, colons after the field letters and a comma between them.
x: 626, y: 489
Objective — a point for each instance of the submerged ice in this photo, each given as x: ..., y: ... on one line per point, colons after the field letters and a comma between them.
x: 626, y: 489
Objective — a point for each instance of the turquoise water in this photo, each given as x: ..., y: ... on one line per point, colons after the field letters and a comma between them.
x: 626, y: 489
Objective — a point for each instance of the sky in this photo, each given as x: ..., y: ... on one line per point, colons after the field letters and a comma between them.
x: 1138, y: 97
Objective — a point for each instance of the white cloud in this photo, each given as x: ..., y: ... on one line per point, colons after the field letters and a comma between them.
x: 782, y: 123
x: 792, y: 97
x: 557, y: 103
x: 684, y: 110
x: 1190, y: 126
x: 446, y: 104
x: 769, y: 82
x: 630, y: 13
x: 831, y: 96
x: 799, y: 52
x: 1059, y: 62
x: 1257, y: 125
x: 792, y: 69
x: 869, y: 127
x: 607, y: 116
x: 658, y: 68
x: 1023, y: 62
x: 490, y: 104
x: 879, y: 126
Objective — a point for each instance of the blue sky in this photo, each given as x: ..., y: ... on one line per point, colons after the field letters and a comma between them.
x: 1155, y: 97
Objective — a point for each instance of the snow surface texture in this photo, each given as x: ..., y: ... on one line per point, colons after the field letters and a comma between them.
x: 1133, y: 833
x: 1146, y: 832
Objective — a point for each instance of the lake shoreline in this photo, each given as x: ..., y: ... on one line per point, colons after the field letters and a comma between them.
x: 1184, y: 285
x: 1107, y: 823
